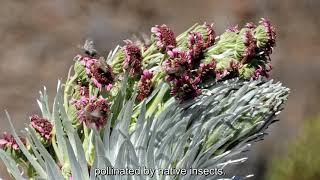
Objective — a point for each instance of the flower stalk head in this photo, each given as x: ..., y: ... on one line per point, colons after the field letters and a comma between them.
x: 164, y: 37
x: 93, y: 111
x: 145, y: 85
x: 43, y: 127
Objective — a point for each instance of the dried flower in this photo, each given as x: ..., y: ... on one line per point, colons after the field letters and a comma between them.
x: 165, y: 38
x: 42, y: 126
x: 133, y: 58
x: 145, y: 85
x: 8, y: 142
x: 93, y: 111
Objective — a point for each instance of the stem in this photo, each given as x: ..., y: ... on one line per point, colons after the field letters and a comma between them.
x: 67, y: 90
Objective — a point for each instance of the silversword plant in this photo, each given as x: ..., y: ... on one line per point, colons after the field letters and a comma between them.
x: 193, y: 101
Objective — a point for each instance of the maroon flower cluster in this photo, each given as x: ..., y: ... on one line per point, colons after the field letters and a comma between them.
x: 207, y: 71
x: 178, y: 63
x: 230, y: 72
x: 42, y: 126
x: 145, y: 85
x: 101, y: 74
x: 250, y: 43
x: 184, y: 84
x: 211, y: 35
x: 250, y: 25
x: 92, y: 111
x: 185, y: 87
x: 8, y: 142
x: 233, y: 29
x: 133, y: 58
x: 270, y: 30
x: 262, y: 71
x: 165, y: 38
x: 196, y: 46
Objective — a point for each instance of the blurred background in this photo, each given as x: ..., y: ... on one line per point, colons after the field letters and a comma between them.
x: 40, y: 38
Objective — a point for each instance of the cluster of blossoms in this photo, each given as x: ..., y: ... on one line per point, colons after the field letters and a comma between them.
x: 100, y: 73
x: 187, y: 64
x: 165, y: 38
x: 7, y: 142
x: 145, y: 85
x: 42, y: 126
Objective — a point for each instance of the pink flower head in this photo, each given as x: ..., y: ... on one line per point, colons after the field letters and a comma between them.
x: 93, y: 112
x: 250, y: 43
x: 262, y: 71
x: 250, y: 25
x: 8, y: 142
x: 185, y: 87
x: 233, y: 29
x: 211, y: 35
x: 177, y: 63
x: 133, y: 59
x: 228, y: 72
x: 42, y: 126
x: 165, y: 38
x: 145, y: 85
x: 100, y: 74
x: 206, y: 71
x: 271, y: 34
x: 196, y: 46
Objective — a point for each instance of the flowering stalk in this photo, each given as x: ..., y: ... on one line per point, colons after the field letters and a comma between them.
x: 198, y: 91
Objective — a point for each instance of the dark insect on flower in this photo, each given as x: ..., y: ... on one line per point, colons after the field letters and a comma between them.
x: 207, y: 71
x: 88, y: 48
x: 250, y: 46
x: 42, y: 126
x: 100, y: 72
x: 145, y: 85
x: 133, y: 58
x: 102, y: 76
x: 165, y: 38
x: 185, y: 87
x: 8, y: 142
x: 233, y: 29
x: 93, y: 112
